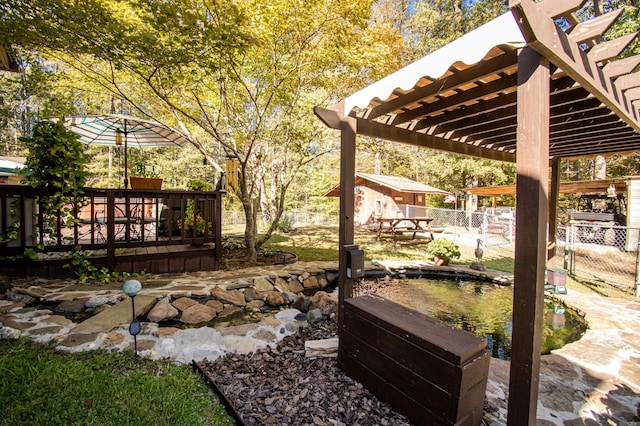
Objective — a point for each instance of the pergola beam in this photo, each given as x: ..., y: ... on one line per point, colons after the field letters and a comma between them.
x: 397, y: 134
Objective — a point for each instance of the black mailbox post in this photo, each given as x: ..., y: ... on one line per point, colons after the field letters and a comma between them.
x: 355, y: 262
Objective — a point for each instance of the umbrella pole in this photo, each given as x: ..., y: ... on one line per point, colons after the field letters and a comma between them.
x: 126, y: 165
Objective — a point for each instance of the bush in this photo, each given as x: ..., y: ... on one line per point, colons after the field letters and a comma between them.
x: 444, y: 248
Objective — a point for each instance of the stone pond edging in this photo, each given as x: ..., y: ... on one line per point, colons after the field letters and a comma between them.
x: 195, y: 300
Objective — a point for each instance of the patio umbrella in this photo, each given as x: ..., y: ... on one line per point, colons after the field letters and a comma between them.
x: 10, y: 167
x: 113, y: 129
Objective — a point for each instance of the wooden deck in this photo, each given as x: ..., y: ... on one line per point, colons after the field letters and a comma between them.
x: 155, y: 260
x: 125, y: 230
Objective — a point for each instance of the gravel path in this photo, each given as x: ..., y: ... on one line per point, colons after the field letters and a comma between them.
x: 283, y: 387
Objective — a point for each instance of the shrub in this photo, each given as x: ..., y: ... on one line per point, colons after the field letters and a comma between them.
x: 444, y: 248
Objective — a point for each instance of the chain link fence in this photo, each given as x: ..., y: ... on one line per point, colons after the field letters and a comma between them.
x: 602, y: 253
x: 296, y: 217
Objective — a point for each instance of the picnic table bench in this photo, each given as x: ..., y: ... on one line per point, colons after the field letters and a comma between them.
x: 397, y: 225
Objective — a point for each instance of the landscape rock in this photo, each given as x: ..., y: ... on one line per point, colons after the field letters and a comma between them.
x: 101, y: 300
x: 289, y: 297
x: 255, y: 304
x: 234, y: 297
x: 183, y: 303
x: 228, y: 311
x: 281, y: 285
x: 274, y: 299
x: 327, y: 303
x: 72, y: 306
x: 295, y: 287
x: 197, y: 313
x: 324, y: 348
x: 8, y: 333
x: 262, y: 284
x: 20, y: 298
x: 311, y: 282
x: 251, y: 294
x: 314, y: 316
x: 162, y: 311
x: 215, y: 305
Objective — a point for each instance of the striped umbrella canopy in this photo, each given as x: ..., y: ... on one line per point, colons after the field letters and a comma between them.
x: 118, y: 129
x: 10, y: 167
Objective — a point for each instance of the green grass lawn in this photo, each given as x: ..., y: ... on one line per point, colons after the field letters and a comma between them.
x: 41, y: 386
x: 321, y: 243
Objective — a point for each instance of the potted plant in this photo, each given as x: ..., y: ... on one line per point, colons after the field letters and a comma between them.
x: 193, y: 223
x: 443, y: 250
x: 144, y: 179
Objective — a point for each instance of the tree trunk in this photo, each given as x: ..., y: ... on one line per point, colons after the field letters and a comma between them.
x: 251, y: 228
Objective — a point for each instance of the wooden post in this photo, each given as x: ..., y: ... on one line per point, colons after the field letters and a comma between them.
x: 531, y: 229
x: 111, y: 229
x: 347, y: 183
x: 553, y: 207
x: 217, y: 223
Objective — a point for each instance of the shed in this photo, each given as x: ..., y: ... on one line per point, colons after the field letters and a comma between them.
x: 523, y: 89
x: 386, y: 196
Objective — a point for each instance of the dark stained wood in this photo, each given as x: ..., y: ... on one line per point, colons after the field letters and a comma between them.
x: 531, y: 230
x: 495, y: 65
x: 610, y: 49
x: 481, y: 91
x: 542, y: 35
x: 559, y: 8
x: 554, y: 194
x: 377, y: 130
x: 346, y: 232
x: 593, y: 28
x: 407, y: 355
x: 111, y: 230
x: 419, y: 329
x: 331, y: 117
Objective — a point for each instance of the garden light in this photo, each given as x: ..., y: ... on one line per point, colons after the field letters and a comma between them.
x: 131, y: 289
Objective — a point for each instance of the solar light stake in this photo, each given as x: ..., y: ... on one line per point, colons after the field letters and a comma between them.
x: 131, y: 289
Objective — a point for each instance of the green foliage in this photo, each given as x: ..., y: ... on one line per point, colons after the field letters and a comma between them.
x: 56, y: 158
x: 444, y: 248
x: 39, y: 385
x: 286, y: 223
x: 198, y: 185
x: 436, y: 23
x: 56, y: 161
x: 79, y: 262
x: 193, y: 221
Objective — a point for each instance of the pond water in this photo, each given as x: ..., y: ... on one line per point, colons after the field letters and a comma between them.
x: 483, y: 309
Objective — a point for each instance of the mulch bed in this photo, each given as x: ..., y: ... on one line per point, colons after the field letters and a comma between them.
x: 281, y: 386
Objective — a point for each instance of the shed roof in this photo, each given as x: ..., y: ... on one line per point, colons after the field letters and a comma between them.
x: 396, y: 183
x: 462, y: 98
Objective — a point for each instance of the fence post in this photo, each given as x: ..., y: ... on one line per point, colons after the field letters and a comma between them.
x: 565, y: 264
x: 111, y: 229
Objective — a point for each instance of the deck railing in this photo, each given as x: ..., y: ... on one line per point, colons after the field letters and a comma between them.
x: 106, y: 219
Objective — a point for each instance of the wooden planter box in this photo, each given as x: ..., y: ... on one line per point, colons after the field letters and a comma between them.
x: 145, y: 183
x: 433, y: 373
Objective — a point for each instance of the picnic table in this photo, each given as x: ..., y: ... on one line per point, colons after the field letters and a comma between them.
x: 398, y: 225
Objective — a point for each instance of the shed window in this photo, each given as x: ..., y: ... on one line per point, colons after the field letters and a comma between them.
x: 378, y: 207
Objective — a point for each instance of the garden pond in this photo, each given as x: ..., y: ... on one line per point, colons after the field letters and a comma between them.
x: 482, y: 308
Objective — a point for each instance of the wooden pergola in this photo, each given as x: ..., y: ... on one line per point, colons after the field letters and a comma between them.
x: 521, y: 89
